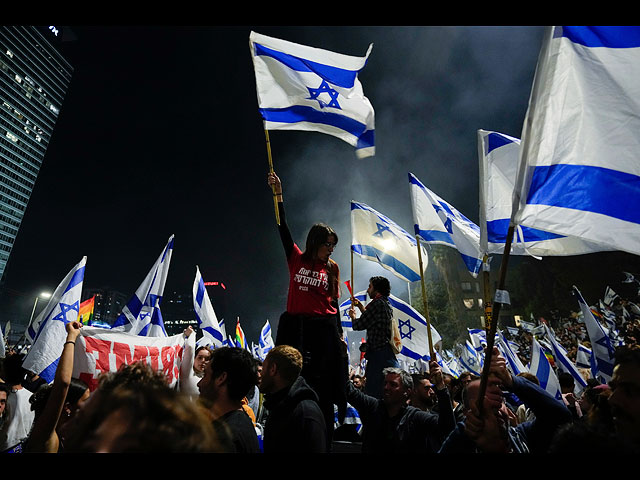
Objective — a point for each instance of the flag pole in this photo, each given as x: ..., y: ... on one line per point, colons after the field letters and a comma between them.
x: 491, y: 321
x: 424, y: 300
x: 273, y: 187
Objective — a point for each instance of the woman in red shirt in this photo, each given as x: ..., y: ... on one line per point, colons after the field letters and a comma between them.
x: 311, y: 322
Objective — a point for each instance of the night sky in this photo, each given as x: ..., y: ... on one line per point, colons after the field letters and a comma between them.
x: 160, y: 134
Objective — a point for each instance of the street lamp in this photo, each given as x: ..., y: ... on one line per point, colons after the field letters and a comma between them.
x: 42, y: 295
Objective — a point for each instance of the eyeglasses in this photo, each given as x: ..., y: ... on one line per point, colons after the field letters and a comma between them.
x: 329, y: 244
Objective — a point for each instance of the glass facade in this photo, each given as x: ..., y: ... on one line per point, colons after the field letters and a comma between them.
x: 34, y: 78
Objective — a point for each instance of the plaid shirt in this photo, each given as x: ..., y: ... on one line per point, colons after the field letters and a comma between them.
x: 376, y: 320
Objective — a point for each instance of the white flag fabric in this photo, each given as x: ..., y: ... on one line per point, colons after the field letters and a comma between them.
x: 205, y: 314
x: 601, y: 348
x: 513, y: 361
x: 579, y: 173
x: 609, y: 296
x: 438, y: 222
x: 541, y: 368
x: 584, y: 359
x: 411, y: 324
x: 48, y: 332
x: 141, y: 315
x: 98, y: 350
x: 307, y: 88
x: 499, y: 155
x: 563, y: 362
x: 380, y: 239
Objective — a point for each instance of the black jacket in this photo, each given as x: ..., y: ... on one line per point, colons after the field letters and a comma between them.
x: 295, y: 422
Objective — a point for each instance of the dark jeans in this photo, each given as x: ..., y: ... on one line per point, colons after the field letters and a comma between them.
x: 377, y: 361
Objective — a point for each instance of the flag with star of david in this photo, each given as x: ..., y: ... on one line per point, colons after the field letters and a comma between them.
x: 47, y: 332
x: 141, y: 315
x: 307, y: 88
x: 377, y: 238
x: 602, y: 349
x: 411, y: 324
x: 439, y: 223
x: 203, y: 309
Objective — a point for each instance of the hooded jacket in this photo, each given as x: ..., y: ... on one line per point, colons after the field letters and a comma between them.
x: 295, y: 422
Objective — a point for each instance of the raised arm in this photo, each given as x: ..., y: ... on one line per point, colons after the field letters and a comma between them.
x: 285, y: 235
x: 43, y: 436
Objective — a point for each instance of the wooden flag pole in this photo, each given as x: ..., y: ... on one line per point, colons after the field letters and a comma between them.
x: 273, y: 187
x: 424, y: 301
x: 491, y: 322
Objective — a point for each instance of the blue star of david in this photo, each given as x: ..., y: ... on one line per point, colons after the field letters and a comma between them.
x: 406, y: 323
x: 381, y: 230
x: 471, y: 361
x: 448, y: 224
x: 144, y: 314
x: 64, y: 308
x: 324, y: 88
x: 604, y: 342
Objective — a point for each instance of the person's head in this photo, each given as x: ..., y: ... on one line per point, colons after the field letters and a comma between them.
x: 379, y: 285
x: 321, y: 240
x: 130, y: 415
x: 397, y: 386
x: 423, y: 395
x: 358, y: 382
x: 531, y: 377
x: 567, y: 382
x: 280, y: 368
x: 201, y: 357
x: 625, y: 393
x: 231, y: 372
x: 77, y: 396
x: 4, y: 394
x: 13, y: 371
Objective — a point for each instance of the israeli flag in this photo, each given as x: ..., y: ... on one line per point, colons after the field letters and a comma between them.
x: 411, y: 324
x: 601, y: 347
x: 499, y: 155
x: 470, y: 360
x: 205, y: 314
x: 141, y: 315
x: 438, y: 222
x: 609, y: 296
x: 579, y: 173
x: 306, y: 88
x: 541, y: 368
x: 222, y: 328
x: 563, y: 362
x: 266, y: 342
x: 478, y: 337
x: 513, y: 361
x: 48, y: 330
x: 584, y: 357
x: 379, y: 239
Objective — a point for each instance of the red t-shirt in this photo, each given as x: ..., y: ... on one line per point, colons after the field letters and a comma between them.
x: 309, y: 291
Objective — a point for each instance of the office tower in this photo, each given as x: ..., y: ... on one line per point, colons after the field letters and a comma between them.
x: 34, y: 78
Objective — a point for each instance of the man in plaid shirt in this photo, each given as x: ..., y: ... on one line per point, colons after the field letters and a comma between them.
x: 376, y: 320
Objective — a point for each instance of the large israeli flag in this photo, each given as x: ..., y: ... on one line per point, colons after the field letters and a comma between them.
x: 579, y: 173
x: 306, y: 88
x: 141, y: 315
x: 499, y: 154
x: 206, y: 316
x: 411, y: 324
x: 541, y: 368
x: 469, y: 359
x: 380, y: 239
x: 438, y: 222
x: 563, y: 362
x: 48, y: 332
x: 602, y: 350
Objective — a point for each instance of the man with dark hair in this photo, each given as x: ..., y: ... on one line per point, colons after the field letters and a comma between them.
x: 295, y: 423
x: 391, y: 426
x: 228, y: 377
x: 423, y: 395
x: 377, y: 320
x: 19, y: 416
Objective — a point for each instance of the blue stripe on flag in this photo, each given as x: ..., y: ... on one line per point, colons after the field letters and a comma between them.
x: 610, y: 37
x: 337, y: 76
x: 388, y: 260
x: 434, y: 235
x: 49, y: 372
x: 77, y: 278
x: 300, y: 113
x: 497, y: 232
x: 496, y: 141
x: 587, y: 188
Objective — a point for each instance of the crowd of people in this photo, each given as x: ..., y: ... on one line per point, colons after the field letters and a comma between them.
x: 305, y: 398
